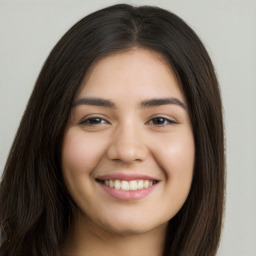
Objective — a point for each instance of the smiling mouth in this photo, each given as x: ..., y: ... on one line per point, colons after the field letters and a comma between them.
x: 125, y: 185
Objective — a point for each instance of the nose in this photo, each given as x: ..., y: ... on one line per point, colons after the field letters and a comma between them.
x: 127, y: 146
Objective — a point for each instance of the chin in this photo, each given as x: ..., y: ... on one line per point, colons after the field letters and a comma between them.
x: 127, y: 230
x: 131, y: 226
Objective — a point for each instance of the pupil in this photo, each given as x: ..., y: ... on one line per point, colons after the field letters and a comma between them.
x: 159, y: 120
x: 95, y: 120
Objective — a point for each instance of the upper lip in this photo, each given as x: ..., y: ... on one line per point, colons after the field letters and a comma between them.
x: 125, y: 176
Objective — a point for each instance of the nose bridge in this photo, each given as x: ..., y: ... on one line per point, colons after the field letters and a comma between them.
x: 127, y: 144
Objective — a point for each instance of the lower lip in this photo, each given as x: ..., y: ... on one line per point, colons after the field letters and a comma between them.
x: 128, y: 195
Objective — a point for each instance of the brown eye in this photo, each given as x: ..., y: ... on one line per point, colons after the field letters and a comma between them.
x: 160, y: 121
x: 94, y: 121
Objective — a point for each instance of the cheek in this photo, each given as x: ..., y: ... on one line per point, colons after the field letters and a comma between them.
x: 80, y: 156
x: 176, y: 158
x: 80, y: 153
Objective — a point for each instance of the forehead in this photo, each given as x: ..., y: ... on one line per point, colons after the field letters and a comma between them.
x: 132, y: 72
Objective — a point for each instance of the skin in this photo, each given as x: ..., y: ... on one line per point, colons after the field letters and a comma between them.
x: 127, y: 138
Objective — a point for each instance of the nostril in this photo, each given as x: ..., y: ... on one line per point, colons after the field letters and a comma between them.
x: 127, y: 152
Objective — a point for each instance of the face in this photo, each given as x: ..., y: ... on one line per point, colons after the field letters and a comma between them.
x: 128, y: 151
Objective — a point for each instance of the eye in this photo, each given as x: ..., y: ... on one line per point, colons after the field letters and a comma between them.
x: 160, y: 121
x: 91, y: 121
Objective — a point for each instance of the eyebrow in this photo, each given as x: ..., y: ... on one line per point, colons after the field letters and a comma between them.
x: 95, y: 102
x: 162, y: 101
x: 144, y: 104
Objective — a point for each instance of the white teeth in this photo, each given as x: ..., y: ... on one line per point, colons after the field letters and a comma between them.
x: 125, y: 185
x: 146, y: 184
x: 133, y: 185
x: 140, y: 184
x: 117, y: 184
x: 129, y: 185
x: 111, y: 183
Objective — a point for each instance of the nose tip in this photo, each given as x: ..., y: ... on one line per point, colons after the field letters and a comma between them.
x: 127, y: 152
x: 127, y: 147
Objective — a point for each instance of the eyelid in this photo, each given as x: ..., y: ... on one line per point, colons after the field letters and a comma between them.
x: 90, y: 117
x: 168, y: 119
x: 86, y: 120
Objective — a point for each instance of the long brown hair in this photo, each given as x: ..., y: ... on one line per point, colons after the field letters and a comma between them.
x: 35, y: 208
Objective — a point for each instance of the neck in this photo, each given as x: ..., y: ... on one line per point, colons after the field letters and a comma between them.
x: 85, y: 238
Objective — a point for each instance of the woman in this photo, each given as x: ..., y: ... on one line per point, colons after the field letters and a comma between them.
x: 120, y: 150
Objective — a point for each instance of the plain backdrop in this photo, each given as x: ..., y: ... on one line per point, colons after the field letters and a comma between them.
x: 29, y: 30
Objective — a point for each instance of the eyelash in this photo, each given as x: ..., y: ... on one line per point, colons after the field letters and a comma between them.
x: 157, y: 121
x: 161, y: 121
x: 97, y: 121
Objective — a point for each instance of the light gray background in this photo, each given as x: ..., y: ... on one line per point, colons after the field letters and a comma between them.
x: 29, y: 30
